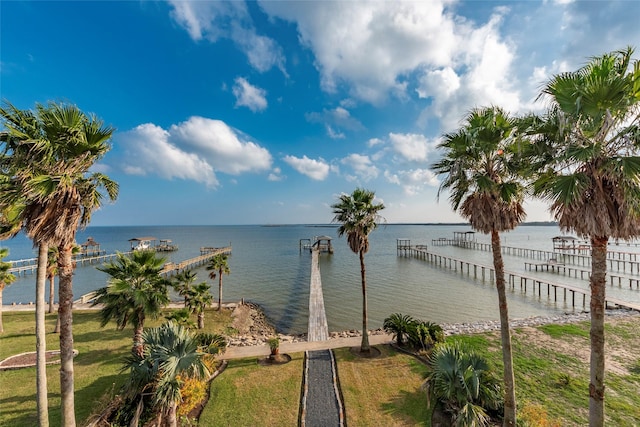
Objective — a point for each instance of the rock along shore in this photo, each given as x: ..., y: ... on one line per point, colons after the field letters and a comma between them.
x: 257, y: 328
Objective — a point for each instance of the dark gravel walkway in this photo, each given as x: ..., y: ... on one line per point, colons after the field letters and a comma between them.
x: 321, y: 405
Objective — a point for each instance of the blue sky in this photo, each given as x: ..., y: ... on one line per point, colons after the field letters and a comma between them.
x: 264, y: 112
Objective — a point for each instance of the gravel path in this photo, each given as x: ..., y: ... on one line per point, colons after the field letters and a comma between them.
x: 321, y: 404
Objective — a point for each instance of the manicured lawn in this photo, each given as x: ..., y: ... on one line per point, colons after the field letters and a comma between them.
x: 96, y: 368
x: 248, y: 394
x: 384, y: 391
x: 551, y: 367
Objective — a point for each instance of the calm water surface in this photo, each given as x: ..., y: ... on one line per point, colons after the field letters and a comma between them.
x: 268, y: 268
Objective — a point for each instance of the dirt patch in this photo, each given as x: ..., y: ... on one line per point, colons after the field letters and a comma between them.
x: 617, y: 358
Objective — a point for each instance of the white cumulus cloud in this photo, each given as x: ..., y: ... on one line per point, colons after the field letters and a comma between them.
x: 362, y: 167
x: 412, y: 181
x: 249, y: 96
x: 314, y: 169
x: 195, y: 150
x: 148, y: 149
x: 411, y: 146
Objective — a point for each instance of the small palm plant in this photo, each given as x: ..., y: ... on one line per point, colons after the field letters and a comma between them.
x: 170, y: 355
x: 463, y: 386
x: 399, y: 325
x: 274, y: 345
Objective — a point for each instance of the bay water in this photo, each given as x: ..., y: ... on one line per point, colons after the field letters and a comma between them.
x: 269, y: 268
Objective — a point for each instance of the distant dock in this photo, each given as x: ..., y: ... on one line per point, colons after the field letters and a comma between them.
x: 405, y: 248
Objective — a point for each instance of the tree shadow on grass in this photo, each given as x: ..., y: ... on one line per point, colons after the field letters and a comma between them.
x: 101, y: 356
x: 102, y: 336
x: 409, y: 406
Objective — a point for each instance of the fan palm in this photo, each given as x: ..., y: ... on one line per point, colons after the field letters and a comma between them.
x: 170, y: 354
x: 49, y: 153
x: 591, y: 132
x: 463, y: 384
x: 6, y: 278
x: 182, y: 283
x: 135, y: 291
x: 198, y: 298
x: 480, y: 171
x: 358, y: 216
x: 219, y: 266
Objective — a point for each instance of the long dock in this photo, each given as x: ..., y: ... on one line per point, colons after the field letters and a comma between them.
x: 575, y: 272
x: 317, y: 329
x: 206, y: 254
x: 171, y: 268
x: 512, y: 277
x: 30, y: 265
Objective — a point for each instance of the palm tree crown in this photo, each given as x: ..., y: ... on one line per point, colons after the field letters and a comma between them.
x: 135, y: 291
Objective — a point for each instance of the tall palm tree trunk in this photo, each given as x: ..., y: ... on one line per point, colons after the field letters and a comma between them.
x: 42, y: 403
x: 51, y: 292
x: 201, y: 320
x: 138, y: 342
x: 364, y: 347
x: 505, y: 334
x: 598, y: 287
x: 219, y: 291
x: 65, y: 302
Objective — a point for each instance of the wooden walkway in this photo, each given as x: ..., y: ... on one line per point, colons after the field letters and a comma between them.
x: 171, y: 268
x: 526, y: 282
x: 30, y: 265
x: 317, y: 328
x: 575, y: 272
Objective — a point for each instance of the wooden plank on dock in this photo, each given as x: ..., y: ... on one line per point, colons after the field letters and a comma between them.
x: 317, y: 328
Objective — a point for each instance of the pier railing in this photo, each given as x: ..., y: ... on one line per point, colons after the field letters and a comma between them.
x: 513, y: 278
x: 172, y: 268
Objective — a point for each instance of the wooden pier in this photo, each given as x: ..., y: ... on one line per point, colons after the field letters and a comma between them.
x: 512, y: 278
x: 24, y: 266
x: 575, y: 272
x: 172, y: 268
x: 206, y: 254
x: 317, y: 329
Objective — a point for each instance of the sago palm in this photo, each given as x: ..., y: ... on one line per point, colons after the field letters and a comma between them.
x: 480, y: 168
x: 591, y: 135
x: 358, y: 216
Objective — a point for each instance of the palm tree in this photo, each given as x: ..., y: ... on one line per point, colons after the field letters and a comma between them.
x: 52, y: 272
x: 591, y: 131
x: 182, y: 283
x: 358, y: 216
x: 6, y: 278
x: 219, y: 266
x: 462, y: 383
x: 49, y: 155
x: 170, y: 354
x: 135, y: 291
x: 399, y: 325
x: 198, y: 298
x: 480, y: 168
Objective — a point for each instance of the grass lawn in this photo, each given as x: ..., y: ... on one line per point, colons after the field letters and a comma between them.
x: 96, y: 368
x: 384, y: 391
x: 248, y: 394
x: 551, y: 366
